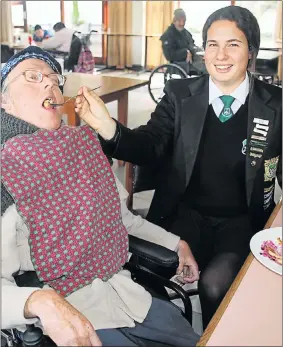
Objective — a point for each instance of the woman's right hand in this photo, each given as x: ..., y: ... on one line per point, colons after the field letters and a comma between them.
x: 63, y: 323
x: 92, y: 110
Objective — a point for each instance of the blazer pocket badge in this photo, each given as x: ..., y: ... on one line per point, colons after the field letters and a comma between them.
x: 270, y: 167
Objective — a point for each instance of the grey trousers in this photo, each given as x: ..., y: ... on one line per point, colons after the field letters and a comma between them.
x: 164, y: 325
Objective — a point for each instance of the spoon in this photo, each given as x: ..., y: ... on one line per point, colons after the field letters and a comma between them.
x: 73, y: 97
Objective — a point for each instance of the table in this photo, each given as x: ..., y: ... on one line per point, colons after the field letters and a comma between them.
x: 268, y: 63
x: 262, y: 54
x: 112, y: 88
x: 15, y: 46
x: 268, y: 55
x: 271, y: 46
x: 251, y: 312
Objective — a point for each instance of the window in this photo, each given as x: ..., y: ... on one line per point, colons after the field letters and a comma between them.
x: 197, y: 13
x: 89, y: 17
x: 18, y: 14
x: 45, y: 13
x: 265, y: 13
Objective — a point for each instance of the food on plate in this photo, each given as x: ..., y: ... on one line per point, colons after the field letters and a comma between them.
x: 272, y: 250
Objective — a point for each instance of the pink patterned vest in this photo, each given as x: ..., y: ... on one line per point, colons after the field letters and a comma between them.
x: 65, y: 191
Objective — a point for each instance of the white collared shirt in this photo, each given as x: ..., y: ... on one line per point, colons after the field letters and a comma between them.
x: 240, y: 94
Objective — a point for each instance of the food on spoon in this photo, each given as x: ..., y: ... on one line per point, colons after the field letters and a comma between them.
x: 272, y: 250
x: 47, y: 103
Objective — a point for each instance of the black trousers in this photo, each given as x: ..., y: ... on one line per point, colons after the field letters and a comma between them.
x: 220, y: 246
x: 197, y: 67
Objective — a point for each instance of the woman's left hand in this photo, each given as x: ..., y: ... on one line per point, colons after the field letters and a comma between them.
x: 188, y: 267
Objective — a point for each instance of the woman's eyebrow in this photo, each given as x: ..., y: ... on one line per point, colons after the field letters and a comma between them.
x: 230, y: 40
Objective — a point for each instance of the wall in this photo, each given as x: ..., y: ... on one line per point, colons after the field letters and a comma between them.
x: 138, y: 27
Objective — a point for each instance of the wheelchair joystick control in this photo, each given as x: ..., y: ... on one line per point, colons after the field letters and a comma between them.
x: 33, y: 336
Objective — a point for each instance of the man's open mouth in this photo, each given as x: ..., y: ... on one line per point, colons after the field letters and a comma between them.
x: 47, y: 103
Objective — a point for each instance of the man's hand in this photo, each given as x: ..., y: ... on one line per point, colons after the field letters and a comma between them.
x: 188, y: 266
x: 189, y: 58
x: 65, y: 325
x: 92, y: 110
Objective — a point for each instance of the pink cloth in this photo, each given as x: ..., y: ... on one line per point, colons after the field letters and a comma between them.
x: 86, y: 61
x: 64, y: 189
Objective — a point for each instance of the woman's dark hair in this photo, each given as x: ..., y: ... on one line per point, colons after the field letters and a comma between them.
x: 248, y: 24
x: 58, y: 26
x: 244, y: 20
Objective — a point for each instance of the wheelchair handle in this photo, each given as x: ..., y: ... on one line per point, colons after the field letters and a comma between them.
x: 33, y: 336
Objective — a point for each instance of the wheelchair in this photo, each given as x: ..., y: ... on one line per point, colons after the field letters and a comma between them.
x: 151, y: 266
x: 71, y: 58
x: 165, y: 72
x: 160, y: 76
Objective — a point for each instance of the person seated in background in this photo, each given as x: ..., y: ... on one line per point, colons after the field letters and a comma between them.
x: 217, y: 140
x: 62, y: 39
x: 39, y: 34
x: 64, y: 216
x: 179, y: 46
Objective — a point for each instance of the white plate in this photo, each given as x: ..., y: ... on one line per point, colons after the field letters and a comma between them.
x: 256, y: 242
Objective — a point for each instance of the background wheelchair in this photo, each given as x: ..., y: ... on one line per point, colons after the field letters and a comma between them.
x: 71, y: 58
x: 160, y: 76
x: 163, y: 73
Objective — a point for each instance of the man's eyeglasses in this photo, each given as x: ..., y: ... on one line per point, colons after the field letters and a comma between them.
x: 34, y: 76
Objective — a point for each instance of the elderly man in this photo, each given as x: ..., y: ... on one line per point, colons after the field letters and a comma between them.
x: 218, y: 140
x: 64, y: 217
x: 179, y: 46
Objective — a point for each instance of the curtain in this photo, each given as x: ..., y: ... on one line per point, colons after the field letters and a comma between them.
x: 278, y: 35
x: 119, y: 52
x: 6, y: 32
x: 159, y: 15
x: 279, y: 22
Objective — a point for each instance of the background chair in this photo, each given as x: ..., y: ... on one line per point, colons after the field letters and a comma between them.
x: 266, y: 69
x: 6, y: 53
x: 140, y: 179
x: 75, y: 51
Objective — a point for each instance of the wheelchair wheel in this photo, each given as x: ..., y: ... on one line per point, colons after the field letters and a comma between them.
x: 159, y: 76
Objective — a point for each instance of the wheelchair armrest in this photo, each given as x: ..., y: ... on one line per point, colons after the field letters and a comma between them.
x: 156, y: 258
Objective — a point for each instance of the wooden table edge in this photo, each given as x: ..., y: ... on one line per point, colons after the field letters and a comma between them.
x: 141, y: 83
x: 69, y: 108
x: 229, y: 295
x: 123, y: 90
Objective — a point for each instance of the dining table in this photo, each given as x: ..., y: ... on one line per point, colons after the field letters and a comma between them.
x: 110, y: 89
x: 251, y: 312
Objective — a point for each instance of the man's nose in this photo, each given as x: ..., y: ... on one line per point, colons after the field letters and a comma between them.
x: 47, y: 82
